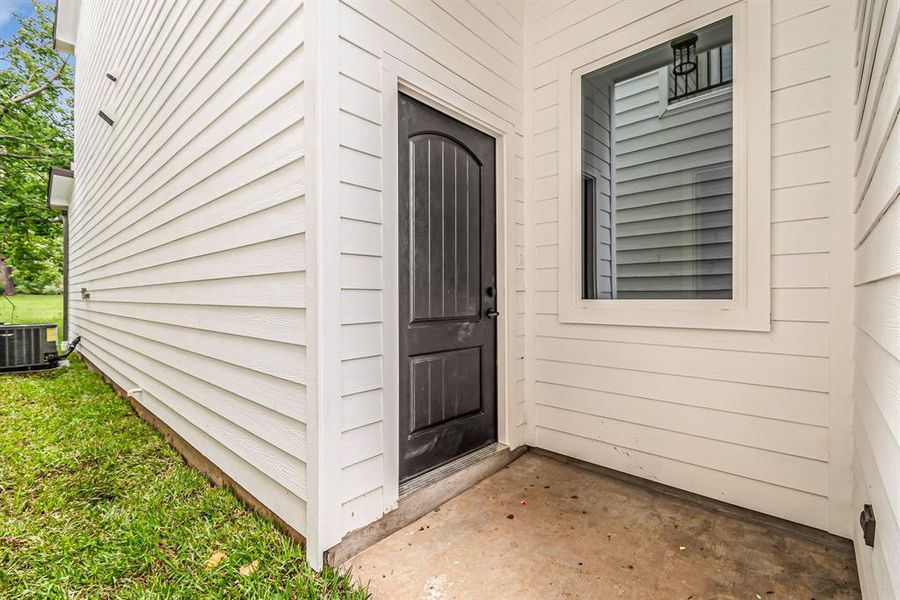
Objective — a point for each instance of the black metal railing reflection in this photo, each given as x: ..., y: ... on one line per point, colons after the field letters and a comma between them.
x: 713, y: 71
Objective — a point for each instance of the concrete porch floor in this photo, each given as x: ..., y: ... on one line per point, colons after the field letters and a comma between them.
x: 543, y: 528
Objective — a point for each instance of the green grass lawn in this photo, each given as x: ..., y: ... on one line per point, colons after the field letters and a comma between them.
x: 95, y: 504
x: 24, y: 309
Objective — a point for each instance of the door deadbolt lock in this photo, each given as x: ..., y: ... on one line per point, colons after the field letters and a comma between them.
x: 491, y: 291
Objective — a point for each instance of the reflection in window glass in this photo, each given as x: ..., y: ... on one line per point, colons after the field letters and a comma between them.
x: 657, y: 172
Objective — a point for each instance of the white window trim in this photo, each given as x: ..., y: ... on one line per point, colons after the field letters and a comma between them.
x: 750, y: 308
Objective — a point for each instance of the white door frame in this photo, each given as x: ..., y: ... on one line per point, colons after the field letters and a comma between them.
x: 396, y: 77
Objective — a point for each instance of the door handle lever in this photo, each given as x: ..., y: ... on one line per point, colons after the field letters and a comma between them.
x: 492, y: 313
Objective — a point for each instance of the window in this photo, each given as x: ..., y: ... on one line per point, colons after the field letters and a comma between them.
x: 664, y: 199
x: 658, y: 222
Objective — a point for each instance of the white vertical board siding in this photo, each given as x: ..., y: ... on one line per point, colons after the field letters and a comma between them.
x: 739, y: 416
x: 187, y: 227
x: 474, y: 48
x: 876, y: 457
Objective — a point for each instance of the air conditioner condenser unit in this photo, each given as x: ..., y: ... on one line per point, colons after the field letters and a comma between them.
x: 30, y: 347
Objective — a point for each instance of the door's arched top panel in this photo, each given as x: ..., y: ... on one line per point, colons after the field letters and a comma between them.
x: 446, y: 141
x: 445, y: 229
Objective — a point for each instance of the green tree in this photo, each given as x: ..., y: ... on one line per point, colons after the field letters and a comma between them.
x: 36, y: 102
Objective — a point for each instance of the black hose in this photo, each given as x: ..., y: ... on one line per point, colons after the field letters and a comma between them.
x: 71, y: 348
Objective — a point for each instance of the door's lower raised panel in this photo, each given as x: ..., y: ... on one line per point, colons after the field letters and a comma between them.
x: 445, y: 386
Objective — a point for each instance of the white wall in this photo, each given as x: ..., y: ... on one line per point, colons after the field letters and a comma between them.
x: 876, y: 457
x: 189, y: 230
x: 187, y: 227
x: 755, y: 419
x: 473, y: 50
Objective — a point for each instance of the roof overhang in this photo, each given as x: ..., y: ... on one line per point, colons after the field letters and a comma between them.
x: 65, y: 25
x: 60, y: 188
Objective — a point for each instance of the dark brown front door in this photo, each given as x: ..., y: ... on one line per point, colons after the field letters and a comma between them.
x: 448, y: 289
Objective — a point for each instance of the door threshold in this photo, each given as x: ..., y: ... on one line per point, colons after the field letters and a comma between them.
x: 456, y: 465
x: 423, y: 494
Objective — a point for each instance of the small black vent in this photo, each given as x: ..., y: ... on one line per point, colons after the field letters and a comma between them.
x: 867, y: 522
x: 108, y: 118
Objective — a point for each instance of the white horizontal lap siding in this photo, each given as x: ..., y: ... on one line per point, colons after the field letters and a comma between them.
x: 876, y: 458
x: 188, y: 228
x: 474, y: 48
x: 738, y: 416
